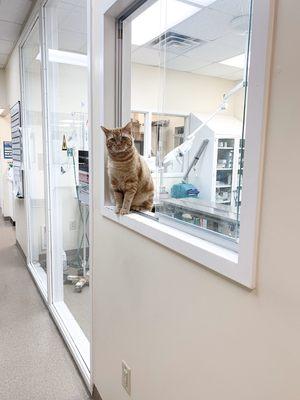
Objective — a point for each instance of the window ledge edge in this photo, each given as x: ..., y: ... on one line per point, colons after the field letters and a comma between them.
x: 205, y: 253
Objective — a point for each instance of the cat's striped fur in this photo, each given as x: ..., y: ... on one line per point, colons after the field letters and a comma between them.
x: 130, y: 176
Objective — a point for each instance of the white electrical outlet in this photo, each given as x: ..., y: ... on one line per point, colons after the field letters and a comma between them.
x: 126, y: 377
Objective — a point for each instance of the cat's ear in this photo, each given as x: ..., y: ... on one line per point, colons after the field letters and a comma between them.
x: 128, y: 128
x: 105, y: 130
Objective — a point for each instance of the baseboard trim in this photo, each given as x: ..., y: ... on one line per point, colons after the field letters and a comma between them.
x: 21, y: 251
x: 96, y: 394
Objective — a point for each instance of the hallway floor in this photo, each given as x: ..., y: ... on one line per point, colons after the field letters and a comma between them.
x: 34, y: 362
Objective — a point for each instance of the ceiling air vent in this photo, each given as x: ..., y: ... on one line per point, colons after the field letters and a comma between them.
x: 175, y: 42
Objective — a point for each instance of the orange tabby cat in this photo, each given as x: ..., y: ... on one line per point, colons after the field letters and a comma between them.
x: 129, y: 173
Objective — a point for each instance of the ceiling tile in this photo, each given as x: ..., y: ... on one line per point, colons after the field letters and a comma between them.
x: 6, y: 46
x: 9, y: 30
x: 233, y: 7
x: 14, y: 11
x: 72, y: 41
x: 78, y: 3
x: 216, y: 69
x: 183, y: 63
x: 207, y: 24
x: 211, y: 24
x: 235, y: 76
x: 75, y: 21
x: 148, y: 56
x: 214, y: 51
x: 3, y: 59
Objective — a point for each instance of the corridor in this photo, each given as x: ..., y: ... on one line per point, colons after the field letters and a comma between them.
x: 34, y: 362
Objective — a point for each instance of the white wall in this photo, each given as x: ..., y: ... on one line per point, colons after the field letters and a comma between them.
x: 183, y: 91
x: 2, y: 88
x: 5, y: 184
x: 12, y: 79
x: 186, y: 332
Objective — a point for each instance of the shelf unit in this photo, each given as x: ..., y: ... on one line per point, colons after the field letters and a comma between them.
x: 222, y: 158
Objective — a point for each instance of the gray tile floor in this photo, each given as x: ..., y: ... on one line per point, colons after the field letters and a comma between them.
x: 34, y: 362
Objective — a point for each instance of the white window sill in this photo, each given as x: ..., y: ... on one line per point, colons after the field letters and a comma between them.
x: 210, y: 255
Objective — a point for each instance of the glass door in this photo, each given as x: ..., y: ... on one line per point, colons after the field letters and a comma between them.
x: 35, y: 168
x: 67, y: 112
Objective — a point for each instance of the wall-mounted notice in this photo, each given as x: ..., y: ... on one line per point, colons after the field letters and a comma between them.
x: 7, y: 150
x: 17, y: 149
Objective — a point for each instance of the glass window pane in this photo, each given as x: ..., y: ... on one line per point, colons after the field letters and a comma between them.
x: 67, y: 81
x: 189, y: 71
x: 30, y: 53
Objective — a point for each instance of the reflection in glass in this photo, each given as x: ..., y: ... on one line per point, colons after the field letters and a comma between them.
x: 189, y: 73
x: 67, y: 81
x: 35, y: 142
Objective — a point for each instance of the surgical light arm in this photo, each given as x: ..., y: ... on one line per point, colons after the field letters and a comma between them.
x: 187, y: 145
x: 196, y: 158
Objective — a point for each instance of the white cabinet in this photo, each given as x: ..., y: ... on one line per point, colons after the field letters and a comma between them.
x: 216, y: 175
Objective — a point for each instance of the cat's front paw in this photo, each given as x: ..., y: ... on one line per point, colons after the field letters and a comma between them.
x: 124, y: 211
x: 117, y: 210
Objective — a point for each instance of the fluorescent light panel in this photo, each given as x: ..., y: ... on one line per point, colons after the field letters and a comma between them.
x: 237, y: 61
x: 202, y: 3
x: 158, y: 18
x: 65, y: 57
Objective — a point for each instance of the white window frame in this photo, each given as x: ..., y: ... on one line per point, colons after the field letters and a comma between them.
x: 67, y: 325
x: 239, y: 267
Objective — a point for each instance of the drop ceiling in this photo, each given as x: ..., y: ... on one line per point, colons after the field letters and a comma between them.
x: 72, y: 26
x: 219, y: 41
x: 13, y: 15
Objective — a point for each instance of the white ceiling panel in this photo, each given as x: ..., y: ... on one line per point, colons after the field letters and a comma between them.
x: 234, y: 8
x: 207, y: 24
x: 216, y: 69
x: 13, y: 14
x: 213, y: 26
x: 5, y: 46
x: 148, y: 56
x: 235, y: 76
x: 78, y: 3
x: 14, y: 11
x: 72, y: 41
x: 2, y: 59
x: 214, y: 51
x: 182, y: 63
x: 75, y: 21
x: 9, y: 30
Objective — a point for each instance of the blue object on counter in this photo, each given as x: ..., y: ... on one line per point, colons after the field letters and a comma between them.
x: 182, y: 190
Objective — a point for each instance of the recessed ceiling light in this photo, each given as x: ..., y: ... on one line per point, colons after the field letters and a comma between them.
x: 237, y: 61
x: 158, y: 18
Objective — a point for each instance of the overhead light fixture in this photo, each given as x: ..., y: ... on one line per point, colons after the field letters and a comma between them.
x: 237, y: 61
x: 65, y: 57
x: 158, y: 18
x: 202, y: 3
x: 2, y: 112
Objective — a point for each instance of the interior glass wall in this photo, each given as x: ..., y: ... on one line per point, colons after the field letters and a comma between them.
x: 187, y: 64
x: 33, y: 132
x: 67, y: 83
